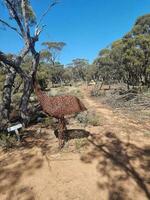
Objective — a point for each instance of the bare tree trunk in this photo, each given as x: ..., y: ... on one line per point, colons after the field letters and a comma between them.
x: 6, y: 96
x: 27, y: 90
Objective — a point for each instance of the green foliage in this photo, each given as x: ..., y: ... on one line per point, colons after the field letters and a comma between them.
x: 16, y: 97
x: 67, y: 75
x: 78, y: 69
x: 2, y: 79
x: 45, y: 55
x: 27, y: 64
x: 80, y: 143
x: 76, y: 92
x: 48, y: 122
x: 50, y: 69
x: 52, y: 51
x: 97, y: 92
x: 30, y: 13
x: 128, y: 59
x: 104, y: 64
x: 17, y: 4
x: 7, y: 141
x: 54, y: 45
x: 142, y: 25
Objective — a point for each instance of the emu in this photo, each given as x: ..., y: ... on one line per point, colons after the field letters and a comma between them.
x: 58, y: 107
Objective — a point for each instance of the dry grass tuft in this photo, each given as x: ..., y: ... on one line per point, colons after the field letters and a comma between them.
x: 89, y: 118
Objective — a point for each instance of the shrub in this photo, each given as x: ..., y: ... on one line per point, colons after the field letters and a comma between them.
x: 80, y: 143
x: 17, y: 97
x: 77, y: 93
x: 82, y: 118
x: 7, y: 142
x: 98, y: 93
x: 88, y: 119
x: 49, y: 122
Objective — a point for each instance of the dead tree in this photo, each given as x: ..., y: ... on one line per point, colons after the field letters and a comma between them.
x: 20, y: 11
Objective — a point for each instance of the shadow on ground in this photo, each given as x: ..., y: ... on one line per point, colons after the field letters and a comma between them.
x: 123, y: 168
x: 22, y: 159
x: 74, y: 134
x: 13, y: 165
x: 19, y: 160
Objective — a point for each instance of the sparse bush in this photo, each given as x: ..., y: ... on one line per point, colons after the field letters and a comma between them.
x: 88, y: 119
x: 48, y: 122
x: 147, y: 133
x: 93, y: 120
x: 62, y: 90
x: 65, y: 90
x: 17, y: 97
x: 7, y: 141
x: 76, y: 92
x: 147, y: 93
x: 80, y: 143
x: 98, y: 93
x: 2, y: 80
x: 82, y: 118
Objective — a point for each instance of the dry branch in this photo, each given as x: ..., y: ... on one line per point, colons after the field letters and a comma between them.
x: 16, y: 17
x: 45, y: 13
x: 9, y: 26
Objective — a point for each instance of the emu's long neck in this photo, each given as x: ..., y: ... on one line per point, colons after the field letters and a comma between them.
x: 39, y: 93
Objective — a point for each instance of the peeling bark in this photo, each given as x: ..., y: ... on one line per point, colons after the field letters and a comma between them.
x: 28, y: 88
x: 6, y: 96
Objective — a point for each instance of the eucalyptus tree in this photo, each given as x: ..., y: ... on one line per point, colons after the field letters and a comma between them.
x: 128, y: 59
x: 92, y: 73
x: 116, y: 54
x: 52, y: 51
x: 137, y: 51
x: 50, y: 56
x: 67, y: 75
x: 56, y: 73
x: 79, y: 69
x: 104, y: 65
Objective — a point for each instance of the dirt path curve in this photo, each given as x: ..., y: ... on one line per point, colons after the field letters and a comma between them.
x: 113, y: 121
x: 38, y: 171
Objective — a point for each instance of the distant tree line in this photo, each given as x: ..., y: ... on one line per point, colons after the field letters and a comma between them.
x: 128, y: 59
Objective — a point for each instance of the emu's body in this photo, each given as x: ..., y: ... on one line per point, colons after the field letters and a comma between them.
x: 59, y: 107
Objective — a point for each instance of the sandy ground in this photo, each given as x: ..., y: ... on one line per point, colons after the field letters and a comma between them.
x: 113, y: 165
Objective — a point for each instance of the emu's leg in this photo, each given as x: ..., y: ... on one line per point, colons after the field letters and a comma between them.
x: 60, y: 138
x: 60, y: 134
x: 64, y: 129
x: 64, y: 124
x: 61, y: 131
